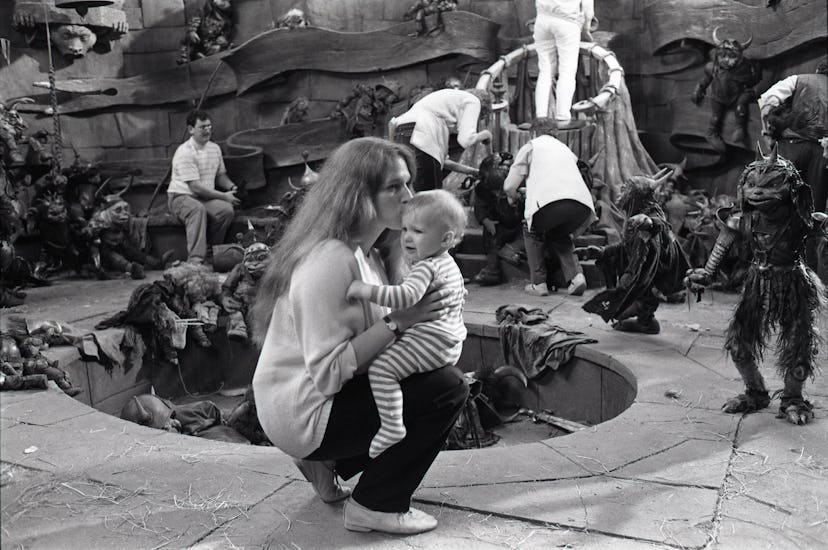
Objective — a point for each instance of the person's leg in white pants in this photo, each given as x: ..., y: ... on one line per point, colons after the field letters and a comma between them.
x: 556, y: 44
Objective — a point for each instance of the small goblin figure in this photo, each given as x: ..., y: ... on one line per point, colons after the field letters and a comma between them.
x: 780, y: 291
x: 645, y: 267
x: 209, y: 33
x: 239, y: 289
x: 110, y: 227
x: 731, y: 77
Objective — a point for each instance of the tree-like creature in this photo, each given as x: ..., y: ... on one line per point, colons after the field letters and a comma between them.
x: 776, y: 215
x: 208, y: 33
x: 422, y: 8
x: 643, y: 269
x: 731, y: 77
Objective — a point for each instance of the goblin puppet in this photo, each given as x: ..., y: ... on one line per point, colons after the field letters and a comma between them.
x: 780, y: 292
x: 239, y: 289
x: 502, y: 222
x: 119, y: 253
x: 646, y: 267
x: 208, y: 33
x: 731, y: 77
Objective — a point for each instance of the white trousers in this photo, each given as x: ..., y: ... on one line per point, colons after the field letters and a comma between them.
x: 556, y: 43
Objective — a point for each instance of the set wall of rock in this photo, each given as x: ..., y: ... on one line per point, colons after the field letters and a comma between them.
x: 152, y: 44
x: 156, y: 27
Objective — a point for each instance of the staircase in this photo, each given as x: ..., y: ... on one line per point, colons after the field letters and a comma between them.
x: 470, y: 258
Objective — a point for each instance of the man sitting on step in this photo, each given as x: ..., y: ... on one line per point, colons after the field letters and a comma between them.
x: 200, y: 194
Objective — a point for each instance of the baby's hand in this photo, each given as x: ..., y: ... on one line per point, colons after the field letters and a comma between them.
x: 358, y: 291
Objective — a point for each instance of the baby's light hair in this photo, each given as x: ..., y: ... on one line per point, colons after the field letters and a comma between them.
x: 440, y: 206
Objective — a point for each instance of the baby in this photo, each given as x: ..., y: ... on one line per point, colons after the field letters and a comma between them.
x: 432, y: 223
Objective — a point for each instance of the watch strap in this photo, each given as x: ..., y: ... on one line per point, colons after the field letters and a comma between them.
x: 392, y: 326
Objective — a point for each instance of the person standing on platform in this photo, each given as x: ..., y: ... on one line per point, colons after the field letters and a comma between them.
x: 559, y: 26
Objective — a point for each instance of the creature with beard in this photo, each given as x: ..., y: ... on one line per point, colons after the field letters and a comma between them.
x: 239, y: 289
x: 780, y: 292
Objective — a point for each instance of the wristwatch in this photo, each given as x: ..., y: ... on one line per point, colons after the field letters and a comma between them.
x: 392, y: 326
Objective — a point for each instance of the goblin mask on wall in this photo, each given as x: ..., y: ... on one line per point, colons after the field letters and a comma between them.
x: 74, y: 28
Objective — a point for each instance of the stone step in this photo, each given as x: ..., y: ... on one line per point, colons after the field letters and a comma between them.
x: 471, y: 264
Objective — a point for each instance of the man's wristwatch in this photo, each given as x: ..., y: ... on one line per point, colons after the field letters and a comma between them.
x: 392, y: 326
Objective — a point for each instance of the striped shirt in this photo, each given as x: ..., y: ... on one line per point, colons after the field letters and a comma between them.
x: 415, y: 285
x: 193, y: 164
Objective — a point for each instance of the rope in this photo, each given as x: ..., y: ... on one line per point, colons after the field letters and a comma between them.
x: 57, y: 140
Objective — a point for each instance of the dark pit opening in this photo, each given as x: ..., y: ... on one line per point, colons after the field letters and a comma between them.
x: 589, y: 389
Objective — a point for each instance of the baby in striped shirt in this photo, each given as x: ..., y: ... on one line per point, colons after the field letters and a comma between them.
x: 433, y: 222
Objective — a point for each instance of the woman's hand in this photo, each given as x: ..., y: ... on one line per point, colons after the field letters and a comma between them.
x: 429, y: 308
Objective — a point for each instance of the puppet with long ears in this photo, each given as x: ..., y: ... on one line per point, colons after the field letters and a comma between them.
x: 645, y: 267
x: 780, y: 292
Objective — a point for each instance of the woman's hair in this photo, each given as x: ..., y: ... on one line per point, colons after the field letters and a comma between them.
x: 337, y: 206
x: 485, y: 100
x: 441, y: 206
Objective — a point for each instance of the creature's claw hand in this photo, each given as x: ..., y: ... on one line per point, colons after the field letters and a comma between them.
x: 796, y: 410
x: 697, y: 279
x: 748, y: 402
x: 696, y: 99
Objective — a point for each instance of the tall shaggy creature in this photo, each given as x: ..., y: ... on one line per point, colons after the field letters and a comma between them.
x: 780, y: 292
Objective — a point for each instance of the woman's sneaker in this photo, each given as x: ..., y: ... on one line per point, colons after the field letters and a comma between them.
x: 537, y: 290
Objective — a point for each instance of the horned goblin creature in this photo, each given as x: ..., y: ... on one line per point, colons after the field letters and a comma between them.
x: 647, y: 265
x: 780, y: 292
x: 208, y: 33
x: 731, y: 77
x: 239, y: 289
x: 422, y: 8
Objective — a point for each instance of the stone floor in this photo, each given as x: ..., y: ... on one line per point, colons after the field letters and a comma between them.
x: 672, y: 471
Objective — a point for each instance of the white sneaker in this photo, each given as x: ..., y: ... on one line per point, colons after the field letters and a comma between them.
x: 578, y: 285
x: 537, y: 290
